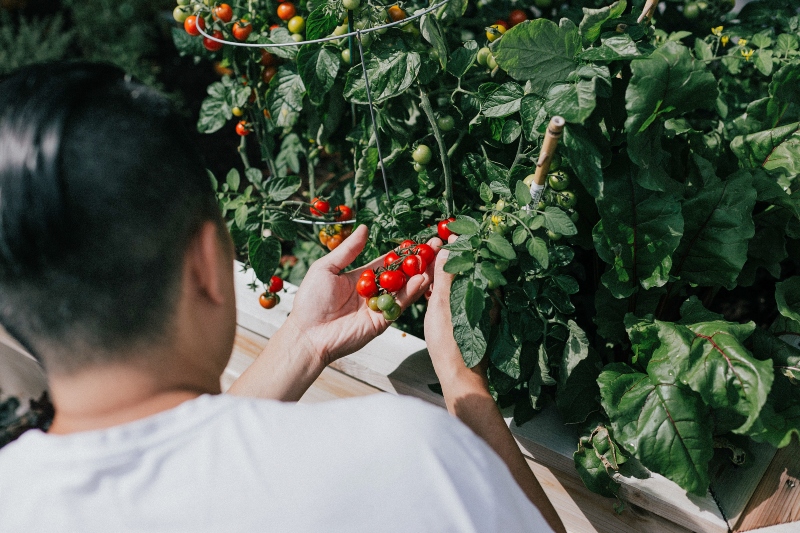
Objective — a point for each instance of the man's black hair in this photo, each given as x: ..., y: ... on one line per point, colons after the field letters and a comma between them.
x: 101, y: 189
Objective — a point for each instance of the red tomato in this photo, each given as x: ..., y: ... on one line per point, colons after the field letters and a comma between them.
x: 392, y: 280
x: 368, y: 273
x: 242, y: 29
x: 407, y: 244
x: 390, y: 258
x: 347, y: 230
x: 413, y: 265
x: 223, y: 12
x: 286, y: 11
x: 268, y: 301
x: 319, y: 207
x: 367, y: 287
x: 268, y: 73
x: 193, y: 22
x: 502, y: 23
x: 517, y: 16
x: 334, y: 241
x: 345, y: 213
x: 444, y: 233
x: 397, y: 13
x: 267, y: 59
x: 213, y: 46
x: 242, y: 128
x: 426, y: 253
x: 275, y: 284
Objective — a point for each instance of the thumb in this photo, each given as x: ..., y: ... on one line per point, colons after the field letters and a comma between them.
x: 346, y: 253
x: 442, y: 280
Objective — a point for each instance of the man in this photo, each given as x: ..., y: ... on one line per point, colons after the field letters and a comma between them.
x: 116, y: 271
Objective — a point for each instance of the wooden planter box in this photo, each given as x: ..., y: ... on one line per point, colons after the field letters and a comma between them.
x: 399, y: 363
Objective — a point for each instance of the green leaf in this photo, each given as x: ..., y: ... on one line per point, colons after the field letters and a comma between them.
x: 511, y: 131
x: 365, y: 169
x: 506, y: 349
x: 470, y: 340
x: 280, y: 189
x: 429, y: 28
x: 557, y: 220
x: 785, y: 43
x: 578, y: 393
x: 452, y: 11
x: 779, y: 420
x: 573, y: 101
x: 666, y: 426
x: 320, y: 23
x: 534, y: 116
x: 638, y: 233
x: 486, y: 193
x: 215, y: 111
x: 540, y: 52
x: 233, y: 179
x: 318, y: 68
x: 763, y: 62
x: 474, y: 302
x: 787, y: 296
x: 285, y: 97
x: 281, y: 35
x: 702, y: 50
x: 500, y: 100
x: 462, y: 59
x: 458, y: 263
x: 464, y: 225
x: 488, y: 272
x: 538, y: 250
x: 585, y: 157
x: 614, y: 47
x: 283, y: 228
x: 523, y: 193
x: 593, y: 467
x: 240, y: 216
x: 778, y: 148
x: 785, y: 84
x: 718, y: 224
x: 670, y: 78
x: 500, y: 246
x: 593, y: 19
x: 264, y: 255
x: 390, y: 73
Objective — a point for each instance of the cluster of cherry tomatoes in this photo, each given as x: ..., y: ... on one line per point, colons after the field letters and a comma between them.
x: 378, y: 286
x: 270, y: 298
x: 557, y: 193
x: 331, y: 236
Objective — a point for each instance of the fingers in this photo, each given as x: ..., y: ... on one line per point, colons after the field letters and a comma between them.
x: 442, y: 279
x: 346, y: 253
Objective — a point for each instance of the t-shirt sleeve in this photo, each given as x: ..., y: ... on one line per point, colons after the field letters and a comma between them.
x: 476, y: 475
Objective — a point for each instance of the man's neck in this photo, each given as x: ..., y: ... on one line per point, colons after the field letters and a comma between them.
x: 102, y: 397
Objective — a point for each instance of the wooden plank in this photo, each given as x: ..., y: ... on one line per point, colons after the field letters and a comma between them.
x: 777, y: 499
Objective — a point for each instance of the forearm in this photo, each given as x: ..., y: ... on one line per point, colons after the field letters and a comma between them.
x: 284, y: 370
x: 467, y: 396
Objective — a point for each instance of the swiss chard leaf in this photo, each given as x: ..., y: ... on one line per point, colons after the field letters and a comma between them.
x: 578, y: 393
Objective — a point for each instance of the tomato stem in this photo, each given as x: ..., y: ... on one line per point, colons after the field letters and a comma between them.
x: 243, y: 151
x: 425, y: 103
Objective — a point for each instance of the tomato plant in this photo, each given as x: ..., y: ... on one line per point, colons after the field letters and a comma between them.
x: 672, y: 192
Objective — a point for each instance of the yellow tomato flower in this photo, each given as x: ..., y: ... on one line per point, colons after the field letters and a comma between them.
x: 742, y: 42
x: 497, y: 220
x: 724, y: 40
x: 717, y: 31
x: 747, y: 53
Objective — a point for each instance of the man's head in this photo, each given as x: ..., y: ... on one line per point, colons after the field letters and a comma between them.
x: 102, y: 196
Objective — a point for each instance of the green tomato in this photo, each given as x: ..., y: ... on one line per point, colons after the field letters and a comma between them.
x: 566, y: 199
x: 574, y: 216
x: 691, y: 11
x: 422, y: 154
x: 491, y: 62
x: 372, y: 303
x: 346, y: 56
x: 483, y: 55
x: 499, y: 229
x: 184, y: 2
x: 296, y: 24
x: 366, y: 39
x: 558, y: 180
x: 553, y: 235
x: 555, y: 162
x: 542, y: 204
x: 351, y: 4
x: 418, y: 167
x: 297, y: 37
x: 340, y: 30
x: 446, y: 123
x: 385, y: 302
x: 500, y: 205
x: 501, y: 265
x: 393, y: 313
x: 181, y: 13
x: 529, y: 179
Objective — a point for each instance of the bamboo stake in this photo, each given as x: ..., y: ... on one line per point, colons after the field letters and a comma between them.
x: 549, y: 145
x: 648, y: 11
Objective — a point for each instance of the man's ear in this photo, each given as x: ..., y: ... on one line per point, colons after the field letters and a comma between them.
x: 205, y: 258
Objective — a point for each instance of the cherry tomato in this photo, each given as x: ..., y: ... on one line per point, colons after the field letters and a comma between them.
x: 390, y: 258
x: 242, y: 29
x: 296, y: 24
x: 268, y: 301
x: 346, y: 56
x: 566, y: 199
x: 275, y: 284
x: 495, y: 31
x: 267, y: 59
x: 193, y: 22
x: 223, y: 12
x: 334, y: 241
x: 323, y: 236
x: 372, y: 303
x: 483, y: 55
x: 237, y: 111
x: 366, y: 287
x: 503, y: 23
x: 422, y: 154
x: 268, y: 73
x: 553, y: 235
x: 347, y: 230
x: 242, y: 128
x: 368, y: 273
x: 413, y: 265
x: 558, y: 180
x: 446, y: 123
x: 444, y: 232
x: 393, y: 313
x: 397, y: 13
x: 426, y: 253
x: 345, y: 213
x: 392, y: 280
x: 211, y: 45
x: 517, y: 16
x: 319, y: 207
x: 286, y: 11
x: 351, y: 4
x: 385, y: 301
x: 529, y: 179
x: 691, y: 11
x: 181, y: 13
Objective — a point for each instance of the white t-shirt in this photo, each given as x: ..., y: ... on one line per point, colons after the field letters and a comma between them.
x: 230, y: 464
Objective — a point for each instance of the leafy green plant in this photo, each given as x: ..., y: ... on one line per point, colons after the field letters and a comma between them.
x: 674, y: 186
x: 26, y: 41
